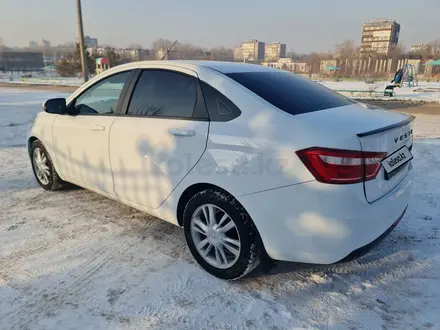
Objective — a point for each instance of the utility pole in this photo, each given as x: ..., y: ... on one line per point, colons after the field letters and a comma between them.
x: 81, y: 42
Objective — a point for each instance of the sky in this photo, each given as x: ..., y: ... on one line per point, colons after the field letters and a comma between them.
x: 305, y: 26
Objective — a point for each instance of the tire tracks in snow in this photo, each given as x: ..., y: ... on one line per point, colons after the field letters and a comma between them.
x: 50, y: 303
x: 10, y: 260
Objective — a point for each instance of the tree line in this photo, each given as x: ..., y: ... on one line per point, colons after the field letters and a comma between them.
x: 70, y: 64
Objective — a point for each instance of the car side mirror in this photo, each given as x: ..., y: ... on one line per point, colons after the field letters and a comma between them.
x: 56, y: 106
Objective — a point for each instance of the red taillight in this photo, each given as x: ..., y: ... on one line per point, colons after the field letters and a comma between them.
x: 341, y: 166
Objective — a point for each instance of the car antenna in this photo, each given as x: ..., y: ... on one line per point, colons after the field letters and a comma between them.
x: 168, y: 50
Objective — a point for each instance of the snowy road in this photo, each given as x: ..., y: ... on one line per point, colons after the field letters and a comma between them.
x: 76, y: 260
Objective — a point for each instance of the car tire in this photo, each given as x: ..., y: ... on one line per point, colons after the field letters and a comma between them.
x: 50, y: 180
x: 235, y: 264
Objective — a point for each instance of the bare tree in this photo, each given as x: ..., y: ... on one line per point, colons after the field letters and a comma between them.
x: 435, y: 48
x: 161, y: 44
x: 346, y: 53
x: 190, y: 52
x: 221, y: 54
x: 135, y: 46
x: 346, y: 49
x: 294, y: 56
x: 313, y: 61
x: 193, y: 52
x: 399, y: 50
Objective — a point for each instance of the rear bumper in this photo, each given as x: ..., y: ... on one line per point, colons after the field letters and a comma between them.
x: 324, y: 224
x: 370, y: 246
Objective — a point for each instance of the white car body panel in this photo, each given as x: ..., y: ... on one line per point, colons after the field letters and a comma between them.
x: 81, y: 149
x: 317, y: 223
x: 150, y: 156
x: 388, y: 141
x: 148, y: 161
x: 252, y: 157
x: 41, y: 127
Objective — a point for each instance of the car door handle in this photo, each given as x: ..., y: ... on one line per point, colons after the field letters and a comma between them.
x: 98, y: 128
x: 181, y: 132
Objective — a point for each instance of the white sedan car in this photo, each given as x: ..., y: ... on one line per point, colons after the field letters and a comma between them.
x: 250, y: 161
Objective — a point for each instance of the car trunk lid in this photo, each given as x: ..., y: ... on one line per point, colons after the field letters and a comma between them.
x: 396, y: 140
x: 365, y: 128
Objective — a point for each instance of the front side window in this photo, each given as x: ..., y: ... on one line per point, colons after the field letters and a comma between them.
x: 102, y: 98
x: 160, y: 93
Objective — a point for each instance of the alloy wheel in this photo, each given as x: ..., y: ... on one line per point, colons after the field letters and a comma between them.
x: 41, y: 166
x: 215, y: 236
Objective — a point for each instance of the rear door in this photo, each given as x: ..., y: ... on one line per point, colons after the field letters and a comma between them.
x: 161, y: 136
x: 396, y: 140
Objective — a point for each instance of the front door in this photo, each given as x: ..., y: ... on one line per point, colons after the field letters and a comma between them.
x: 160, y: 138
x: 81, y: 140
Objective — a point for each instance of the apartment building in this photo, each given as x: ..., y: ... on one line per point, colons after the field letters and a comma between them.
x: 250, y: 51
x: 274, y: 51
x: 421, y: 49
x: 19, y: 60
x: 379, y: 37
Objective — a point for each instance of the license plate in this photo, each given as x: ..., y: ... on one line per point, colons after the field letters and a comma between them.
x: 397, y: 159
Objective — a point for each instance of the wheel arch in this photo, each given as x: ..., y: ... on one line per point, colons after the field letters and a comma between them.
x: 51, y: 152
x: 31, y: 140
x: 264, y: 260
x: 188, y: 193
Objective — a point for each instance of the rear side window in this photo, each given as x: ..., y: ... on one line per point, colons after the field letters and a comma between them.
x: 290, y: 92
x: 220, y: 108
x: 160, y: 93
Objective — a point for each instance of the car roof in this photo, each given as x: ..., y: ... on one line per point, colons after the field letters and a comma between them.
x: 221, y: 66
x: 227, y: 67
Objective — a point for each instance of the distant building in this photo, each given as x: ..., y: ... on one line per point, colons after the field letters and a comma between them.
x: 49, y: 60
x: 21, y: 61
x: 379, y: 37
x: 326, y: 63
x: 44, y: 44
x: 163, y: 54
x: 289, y: 65
x: 250, y: 51
x: 274, y: 51
x: 100, y: 51
x: 90, y: 42
x: 237, y: 54
x: 421, y: 49
x: 133, y: 55
x: 33, y: 44
x: 125, y: 54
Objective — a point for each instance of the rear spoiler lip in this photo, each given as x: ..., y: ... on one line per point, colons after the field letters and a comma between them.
x: 386, y: 128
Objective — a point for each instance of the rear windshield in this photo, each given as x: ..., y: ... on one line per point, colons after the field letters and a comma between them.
x: 289, y: 92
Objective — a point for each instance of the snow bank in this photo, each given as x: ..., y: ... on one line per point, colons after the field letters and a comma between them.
x: 424, y: 91
x: 40, y: 79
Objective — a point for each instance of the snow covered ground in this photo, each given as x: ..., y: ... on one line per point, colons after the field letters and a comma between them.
x: 76, y: 260
x: 424, y: 91
x: 40, y: 79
